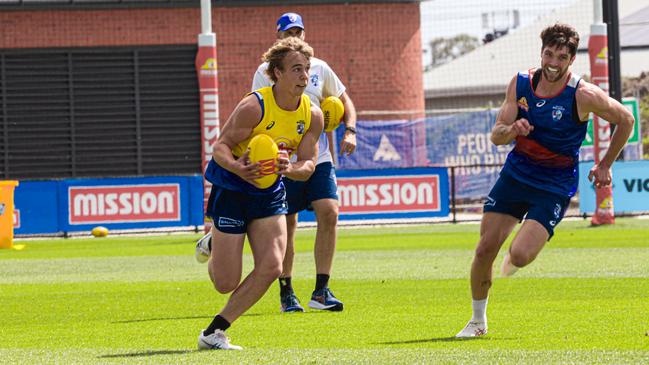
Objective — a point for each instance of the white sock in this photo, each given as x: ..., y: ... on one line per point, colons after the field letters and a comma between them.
x: 479, y: 310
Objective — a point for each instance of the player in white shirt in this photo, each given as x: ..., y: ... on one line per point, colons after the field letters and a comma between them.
x: 319, y: 192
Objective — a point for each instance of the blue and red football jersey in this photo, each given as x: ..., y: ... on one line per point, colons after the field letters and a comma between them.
x: 548, y: 157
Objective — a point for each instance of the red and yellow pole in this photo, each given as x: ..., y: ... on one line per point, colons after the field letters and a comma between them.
x: 207, y: 72
x: 598, y: 52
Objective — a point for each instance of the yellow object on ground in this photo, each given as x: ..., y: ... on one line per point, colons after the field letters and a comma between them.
x: 7, y: 213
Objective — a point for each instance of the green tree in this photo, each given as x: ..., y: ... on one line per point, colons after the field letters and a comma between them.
x: 444, y: 50
x: 644, y: 127
x: 638, y: 87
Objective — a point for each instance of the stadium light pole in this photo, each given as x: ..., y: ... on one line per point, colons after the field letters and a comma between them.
x: 611, y: 18
x: 207, y: 74
x: 598, y: 55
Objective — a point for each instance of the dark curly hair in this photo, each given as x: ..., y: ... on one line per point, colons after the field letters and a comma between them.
x: 561, y: 35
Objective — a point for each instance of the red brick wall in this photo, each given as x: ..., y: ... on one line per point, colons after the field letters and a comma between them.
x: 83, y: 28
x: 374, y: 48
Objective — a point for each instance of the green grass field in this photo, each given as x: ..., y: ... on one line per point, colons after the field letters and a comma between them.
x: 405, y: 289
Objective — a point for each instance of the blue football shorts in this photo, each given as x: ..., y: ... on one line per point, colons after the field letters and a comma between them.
x: 231, y: 211
x: 509, y: 196
x: 321, y: 185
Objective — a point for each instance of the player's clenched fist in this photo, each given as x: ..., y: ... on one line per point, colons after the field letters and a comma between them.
x: 522, y: 127
x: 600, y: 175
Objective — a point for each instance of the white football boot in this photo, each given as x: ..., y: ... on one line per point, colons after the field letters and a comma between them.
x: 473, y: 329
x: 203, y: 248
x: 216, y: 341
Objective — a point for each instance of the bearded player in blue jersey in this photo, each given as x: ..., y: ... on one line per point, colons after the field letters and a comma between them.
x: 546, y: 112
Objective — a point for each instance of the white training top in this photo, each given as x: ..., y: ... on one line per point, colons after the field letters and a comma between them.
x: 323, y: 82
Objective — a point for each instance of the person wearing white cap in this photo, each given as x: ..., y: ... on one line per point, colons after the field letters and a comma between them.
x: 319, y: 193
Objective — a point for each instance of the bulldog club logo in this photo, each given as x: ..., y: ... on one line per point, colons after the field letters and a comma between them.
x: 557, y: 112
x: 300, y: 127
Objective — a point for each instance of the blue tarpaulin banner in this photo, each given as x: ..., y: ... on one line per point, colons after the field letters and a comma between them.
x: 385, y: 144
x: 463, y: 140
x: 630, y: 187
x: 459, y: 139
x: 450, y: 140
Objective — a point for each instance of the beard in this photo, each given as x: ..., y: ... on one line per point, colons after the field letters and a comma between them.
x: 552, y: 76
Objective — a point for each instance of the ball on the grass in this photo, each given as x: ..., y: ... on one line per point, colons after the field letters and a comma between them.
x: 99, y: 231
x: 333, y: 111
x: 264, y: 150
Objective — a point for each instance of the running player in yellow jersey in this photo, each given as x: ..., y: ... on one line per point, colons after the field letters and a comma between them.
x: 237, y: 205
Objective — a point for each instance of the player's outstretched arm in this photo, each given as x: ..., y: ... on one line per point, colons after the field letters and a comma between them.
x: 307, y: 151
x: 592, y: 99
x: 238, y: 127
x: 507, y: 127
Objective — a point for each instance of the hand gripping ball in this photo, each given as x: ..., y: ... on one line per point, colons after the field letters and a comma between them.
x: 264, y: 150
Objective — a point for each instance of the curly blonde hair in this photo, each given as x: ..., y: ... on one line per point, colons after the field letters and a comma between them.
x: 282, y: 47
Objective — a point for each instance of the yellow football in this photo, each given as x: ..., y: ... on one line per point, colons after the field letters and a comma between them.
x: 332, y: 110
x: 264, y: 150
x: 99, y: 231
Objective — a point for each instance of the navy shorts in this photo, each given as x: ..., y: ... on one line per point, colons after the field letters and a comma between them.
x: 321, y: 185
x: 231, y: 211
x: 509, y: 196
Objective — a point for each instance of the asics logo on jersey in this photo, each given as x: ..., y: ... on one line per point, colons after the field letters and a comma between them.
x: 271, y: 125
x: 540, y: 103
x: 490, y: 201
